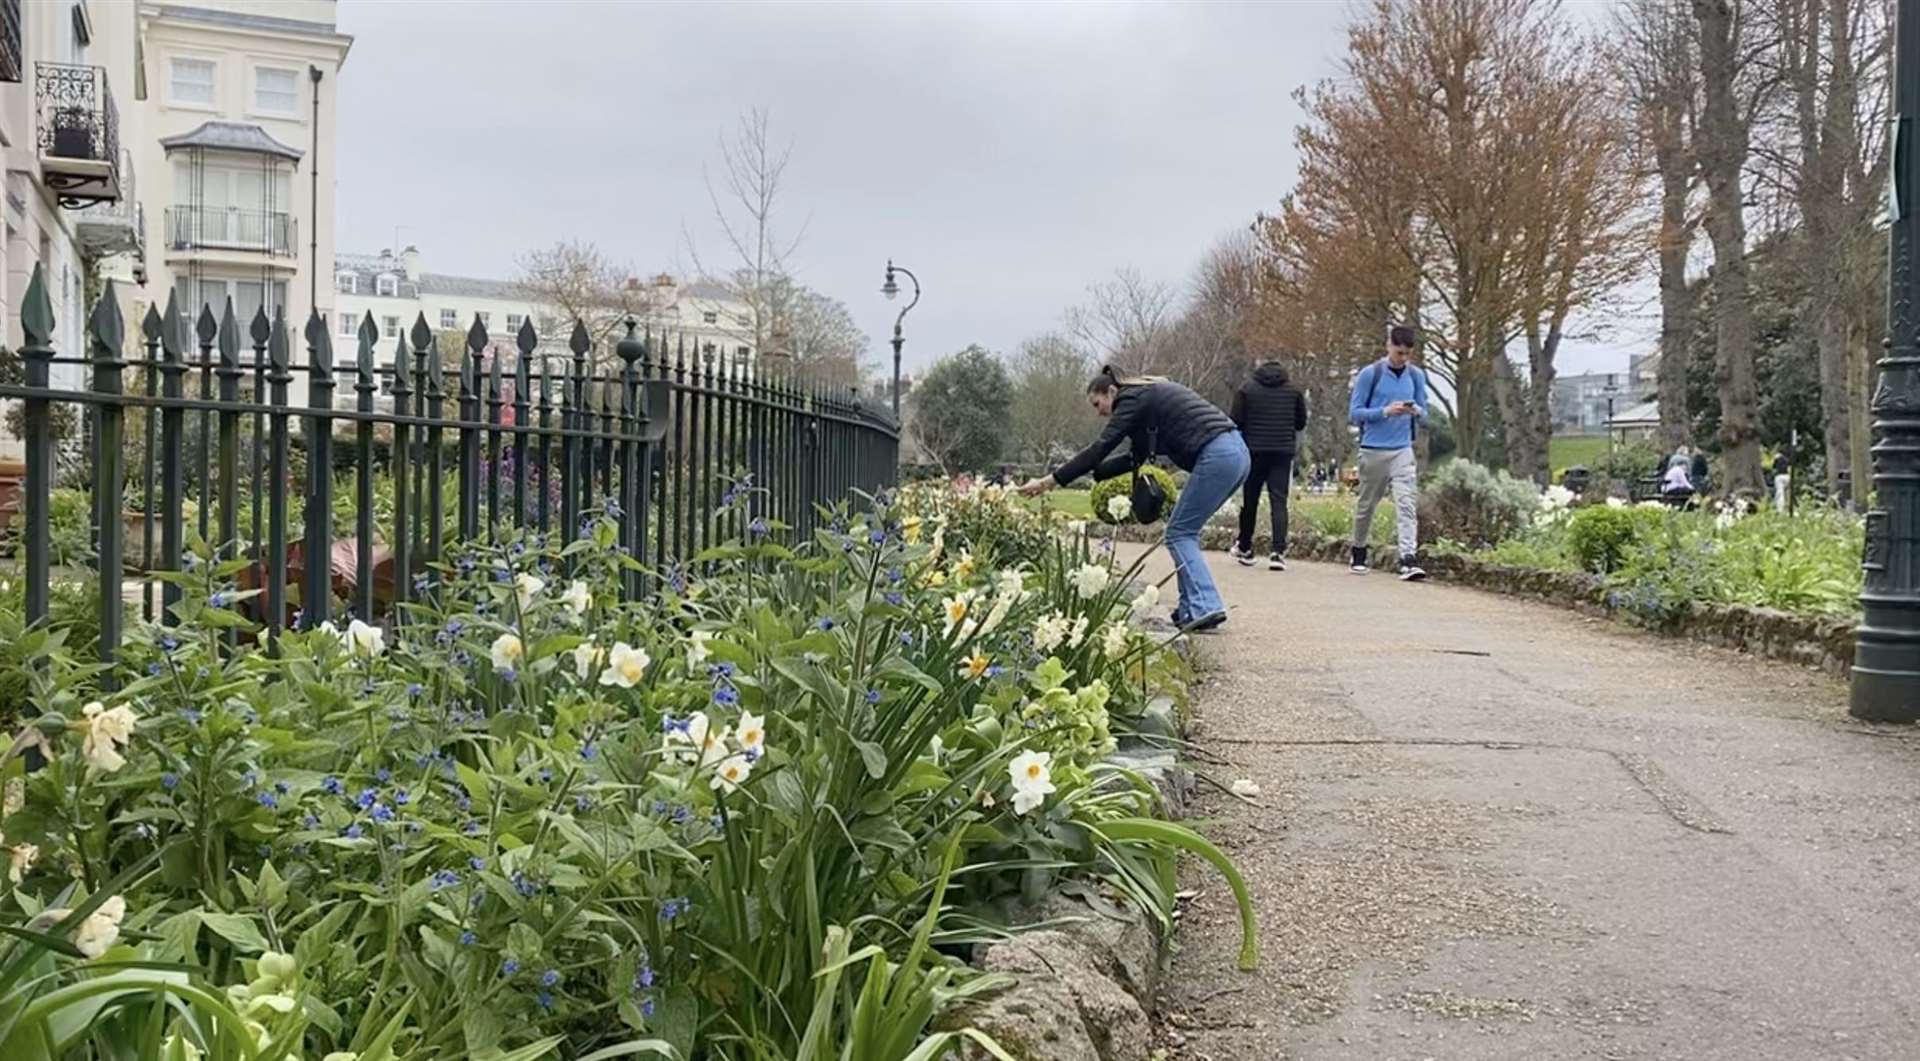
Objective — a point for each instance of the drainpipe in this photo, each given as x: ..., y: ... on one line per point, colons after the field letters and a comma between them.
x: 313, y: 205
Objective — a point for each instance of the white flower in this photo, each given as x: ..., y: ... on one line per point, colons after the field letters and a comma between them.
x: 1650, y: 503
x: 1244, y: 787
x: 1032, y: 781
x: 1145, y: 602
x: 1113, y: 640
x: 107, y: 733
x: 15, y: 799
x: 526, y: 586
x: 713, y: 745
x: 587, y: 657
x: 1079, y: 632
x: 1120, y: 507
x: 752, y: 734
x: 1724, y: 521
x: 1614, y: 502
x: 697, y: 652
x: 626, y: 665
x: 731, y: 773
x: 1091, y: 579
x: 506, y: 653
x: 20, y: 859
x: 175, y: 1047
x: 955, y: 609
x: 577, y: 599
x: 363, y: 639
x: 1049, y: 631
x: 1012, y: 585
x: 1076, y: 526
x: 683, y: 742
x: 101, y: 928
x: 1556, y: 497
x: 936, y: 748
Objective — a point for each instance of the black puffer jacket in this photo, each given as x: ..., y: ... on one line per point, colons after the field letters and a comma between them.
x: 1163, y: 418
x: 1270, y: 410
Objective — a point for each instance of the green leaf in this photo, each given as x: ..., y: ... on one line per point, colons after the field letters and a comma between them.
x: 482, y: 1028
x: 874, y: 757
x: 1168, y: 834
x: 884, y: 832
x: 235, y: 929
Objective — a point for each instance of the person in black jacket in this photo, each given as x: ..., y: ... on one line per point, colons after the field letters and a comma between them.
x: 1271, y: 413
x: 1162, y: 418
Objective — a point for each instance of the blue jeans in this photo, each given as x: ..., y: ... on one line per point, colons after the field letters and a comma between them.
x: 1217, y: 473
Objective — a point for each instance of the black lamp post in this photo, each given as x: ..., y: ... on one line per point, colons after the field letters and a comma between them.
x: 1886, y: 654
x: 1612, y: 391
x: 892, y: 291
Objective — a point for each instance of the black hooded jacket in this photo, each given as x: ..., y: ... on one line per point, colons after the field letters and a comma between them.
x: 1270, y: 410
x: 1161, y: 417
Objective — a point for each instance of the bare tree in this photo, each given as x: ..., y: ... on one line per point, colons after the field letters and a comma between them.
x: 575, y: 281
x: 1655, y: 58
x: 745, y: 197
x: 1127, y: 320
x: 1051, y: 417
x: 1733, y: 90
x: 819, y: 336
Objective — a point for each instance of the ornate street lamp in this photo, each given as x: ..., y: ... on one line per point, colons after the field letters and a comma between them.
x: 1612, y: 391
x: 892, y: 291
x: 1886, y: 654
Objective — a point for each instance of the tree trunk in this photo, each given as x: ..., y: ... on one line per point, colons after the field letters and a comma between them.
x: 1860, y: 388
x: 1676, y: 309
x: 1723, y: 153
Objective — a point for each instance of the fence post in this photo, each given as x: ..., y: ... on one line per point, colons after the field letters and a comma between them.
x: 109, y: 331
x: 572, y: 502
x: 633, y: 497
x: 365, y: 388
x: 36, y: 323
x: 525, y: 342
x: 172, y: 514
x: 544, y: 502
x: 494, y: 420
x: 469, y: 434
x: 229, y: 419
x: 399, y: 461
x: 316, y: 603
x: 279, y: 375
x: 261, y: 330
x: 433, y: 489
x: 206, y: 329
x: 150, y: 328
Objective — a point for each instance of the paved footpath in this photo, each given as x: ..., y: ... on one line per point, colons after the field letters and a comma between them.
x: 1493, y: 829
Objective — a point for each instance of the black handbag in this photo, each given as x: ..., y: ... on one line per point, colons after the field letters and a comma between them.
x: 1148, y: 496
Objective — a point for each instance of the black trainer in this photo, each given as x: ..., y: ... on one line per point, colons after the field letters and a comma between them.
x: 1410, y: 571
x: 1276, y: 562
x: 1242, y: 554
x: 1359, y: 565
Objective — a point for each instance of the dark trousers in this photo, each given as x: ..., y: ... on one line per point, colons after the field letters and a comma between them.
x: 1273, y: 472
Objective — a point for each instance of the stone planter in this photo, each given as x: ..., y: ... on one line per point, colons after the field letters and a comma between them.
x: 13, y: 479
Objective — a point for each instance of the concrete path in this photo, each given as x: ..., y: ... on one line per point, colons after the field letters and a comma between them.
x: 1495, y: 829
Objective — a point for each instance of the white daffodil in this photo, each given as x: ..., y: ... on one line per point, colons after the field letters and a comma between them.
x: 1076, y: 526
x: 1556, y: 497
x: 1091, y: 579
x: 730, y: 773
x: 974, y: 666
x: 1113, y: 640
x: 20, y: 859
x: 1724, y: 522
x: 1615, y: 502
x: 527, y: 586
x: 1145, y: 602
x: 713, y: 745
x: 507, y: 652
x: 577, y: 599
x: 101, y: 928
x: 1012, y: 585
x: 1049, y: 631
x: 1079, y: 633
x: 626, y: 665
x: 1032, y: 781
x: 15, y: 799
x: 963, y: 567
x: 752, y: 734
x: 955, y: 609
x: 363, y: 639
x: 107, y: 732
x: 587, y: 658
x: 684, y: 742
x: 1120, y: 507
x: 697, y: 651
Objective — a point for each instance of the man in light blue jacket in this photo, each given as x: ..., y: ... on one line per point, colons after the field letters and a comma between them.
x: 1388, y: 405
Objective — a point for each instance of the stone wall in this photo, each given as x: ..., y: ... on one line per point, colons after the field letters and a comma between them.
x: 1814, y: 641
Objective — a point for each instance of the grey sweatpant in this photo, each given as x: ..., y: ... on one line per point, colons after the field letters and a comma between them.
x: 1380, y: 468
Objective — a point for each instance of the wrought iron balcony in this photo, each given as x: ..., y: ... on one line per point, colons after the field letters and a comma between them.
x: 79, y: 133
x: 117, y: 227
x: 274, y: 233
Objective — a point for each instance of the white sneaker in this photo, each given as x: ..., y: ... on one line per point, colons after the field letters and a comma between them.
x: 1245, y: 556
x: 1411, y: 572
x: 1276, y: 562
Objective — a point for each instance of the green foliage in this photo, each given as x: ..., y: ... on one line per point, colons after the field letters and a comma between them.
x: 1464, y: 502
x: 526, y: 819
x: 1599, y: 537
x: 1629, y: 464
x: 961, y: 408
x: 1101, y: 498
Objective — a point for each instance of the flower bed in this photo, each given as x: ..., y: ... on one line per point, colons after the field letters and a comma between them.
x: 762, y: 815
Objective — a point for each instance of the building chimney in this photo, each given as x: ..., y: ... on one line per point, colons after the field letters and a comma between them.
x: 386, y: 259
x: 411, y: 258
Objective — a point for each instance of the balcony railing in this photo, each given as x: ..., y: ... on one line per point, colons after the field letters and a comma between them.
x: 270, y: 232
x: 79, y: 132
x: 13, y: 65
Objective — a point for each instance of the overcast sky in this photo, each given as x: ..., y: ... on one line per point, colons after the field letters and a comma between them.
x: 1010, y: 154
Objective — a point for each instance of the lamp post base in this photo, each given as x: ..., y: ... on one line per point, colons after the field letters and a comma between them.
x: 1886, y: 662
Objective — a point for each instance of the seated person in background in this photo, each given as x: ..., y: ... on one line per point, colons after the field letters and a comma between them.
x: 1676, y: 485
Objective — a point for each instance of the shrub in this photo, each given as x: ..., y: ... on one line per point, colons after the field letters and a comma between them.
x: 1121, y: 486
x: 1600, y: 537
x: 1627, y: 465
x: 1465, y: 503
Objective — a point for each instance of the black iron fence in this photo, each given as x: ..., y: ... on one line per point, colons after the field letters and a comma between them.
x: 343, y: 503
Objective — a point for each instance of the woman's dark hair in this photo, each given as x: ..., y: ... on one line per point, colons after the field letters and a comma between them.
x: 1106, y: 380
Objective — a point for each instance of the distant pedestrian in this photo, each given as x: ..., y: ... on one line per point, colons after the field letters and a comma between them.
x: 1389, y: 402
x: 1157, y: 416
x: 1271, y: 413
